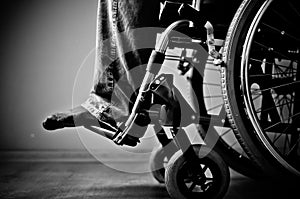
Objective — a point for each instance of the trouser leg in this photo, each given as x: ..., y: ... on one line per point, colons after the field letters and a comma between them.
x: 117, y: 53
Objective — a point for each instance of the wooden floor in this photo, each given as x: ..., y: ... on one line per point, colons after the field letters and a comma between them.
x: 87, y: 178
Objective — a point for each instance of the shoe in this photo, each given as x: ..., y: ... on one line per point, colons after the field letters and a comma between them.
x: 78, y: 116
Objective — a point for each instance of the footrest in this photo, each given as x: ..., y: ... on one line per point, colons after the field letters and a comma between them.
x: 128, y: 140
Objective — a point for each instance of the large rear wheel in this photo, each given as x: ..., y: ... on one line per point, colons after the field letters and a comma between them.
x: 261, y: 83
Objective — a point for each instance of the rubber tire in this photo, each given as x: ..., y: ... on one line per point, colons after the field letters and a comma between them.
x: 178, y: 160
x: 232, y: 93
x: 157, y: 159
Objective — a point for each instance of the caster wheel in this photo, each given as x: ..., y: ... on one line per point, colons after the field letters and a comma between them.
x: 209, y: 180
x: 159, y: 159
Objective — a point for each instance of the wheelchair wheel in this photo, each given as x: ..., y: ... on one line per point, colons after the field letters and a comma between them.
x: 261, y: 83
x: 159, y: 159
x: 209, y: 180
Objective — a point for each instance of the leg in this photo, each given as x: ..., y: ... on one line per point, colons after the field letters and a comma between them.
x: 113, y: 85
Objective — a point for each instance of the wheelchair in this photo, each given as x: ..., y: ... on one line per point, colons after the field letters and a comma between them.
x: 256, y: 57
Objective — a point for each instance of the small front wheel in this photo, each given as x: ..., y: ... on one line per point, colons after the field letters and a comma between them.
x: 208, y: 180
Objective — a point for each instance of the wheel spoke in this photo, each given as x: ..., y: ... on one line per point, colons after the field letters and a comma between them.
x: 293, y: 147
x: 281, y: 32
x: 294, y: 9
x: 277, y: 136
x: 260, y: 110
x: 266, y: 62
x: 213, y: 96
x: 287, y: 21
x: 273, y: 74
x: 191, y: 188
x: 272, y: 126
x: 274, y: 51
x: 215, y: 107
x: 225, y: 132
x: 234, y: 143
x: 280, y: 86
x: 204, y: 170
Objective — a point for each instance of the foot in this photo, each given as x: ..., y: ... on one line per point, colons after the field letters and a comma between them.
x: 78, y: 116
